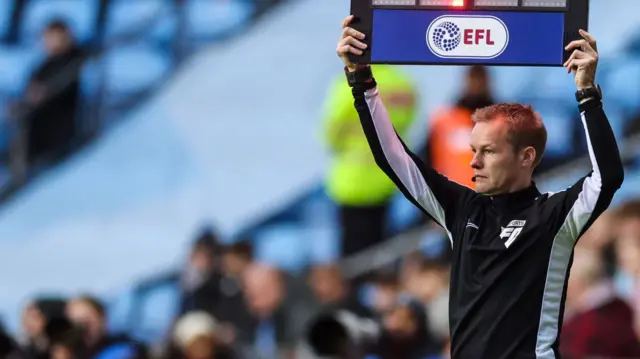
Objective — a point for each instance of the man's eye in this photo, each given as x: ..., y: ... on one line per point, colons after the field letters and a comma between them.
x: 488, y: 152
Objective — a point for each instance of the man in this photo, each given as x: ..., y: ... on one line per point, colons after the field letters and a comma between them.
x: 355, y: 184
x: 53, y: 95
x: 597, y: 323
x: 89, y: 314
x: 512, y: 245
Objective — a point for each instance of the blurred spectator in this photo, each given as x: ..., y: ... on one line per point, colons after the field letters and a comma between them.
x: 237, y: 257
x: 405, y: 335
x: 627, y: 248
x: 330, y: 289
x: 430, y: 285
x: 9, y: 348
x: 66, y: 340
x: 384, y: 295
x: 355, y: 183
x: 597, y: 322
x: 89, y: 314
x: 274, y: 329
x: 35, y: 317
x: 331, y: 292
x: 230, y: 307
x: 53, y: 94
x: 197, y: 336
x: 200, y: 280
x: 447, y: 147
x: 601, y: 233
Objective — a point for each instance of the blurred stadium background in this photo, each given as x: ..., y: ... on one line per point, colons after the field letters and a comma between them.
x: 202, y: 119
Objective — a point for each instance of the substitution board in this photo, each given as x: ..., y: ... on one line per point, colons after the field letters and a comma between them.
x: 464, y: 32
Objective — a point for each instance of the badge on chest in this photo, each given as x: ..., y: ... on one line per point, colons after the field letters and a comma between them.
x: 511, y: 231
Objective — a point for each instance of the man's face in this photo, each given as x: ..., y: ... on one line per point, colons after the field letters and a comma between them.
x: 326, y: 283
x: 495, y: 162
x: 55, y: 41
x: 202, y: 259
x: 33, y: 321
x: 82, y: 313
x: 264, y: 290
x: 400, y: 322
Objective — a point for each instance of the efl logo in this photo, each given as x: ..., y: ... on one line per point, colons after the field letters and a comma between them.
x: 464, y: 37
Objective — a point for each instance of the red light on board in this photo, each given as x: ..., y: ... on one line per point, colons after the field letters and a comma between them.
x: 457, y: 3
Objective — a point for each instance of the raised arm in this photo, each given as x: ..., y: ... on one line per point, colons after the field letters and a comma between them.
x: 422, y: 185
x: 433, y: 193
x: 592, y: 194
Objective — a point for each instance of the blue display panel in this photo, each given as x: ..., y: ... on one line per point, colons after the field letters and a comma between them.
x: 455, y: 37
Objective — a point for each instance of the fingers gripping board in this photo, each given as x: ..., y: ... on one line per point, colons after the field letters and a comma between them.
x: 465, y: 32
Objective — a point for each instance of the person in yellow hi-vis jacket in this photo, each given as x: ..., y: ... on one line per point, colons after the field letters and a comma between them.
x: 355, y: 183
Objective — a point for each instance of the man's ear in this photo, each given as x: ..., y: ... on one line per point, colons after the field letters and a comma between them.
x: 528, y: 157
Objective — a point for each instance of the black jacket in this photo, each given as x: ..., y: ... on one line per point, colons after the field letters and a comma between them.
x: 511, y: 253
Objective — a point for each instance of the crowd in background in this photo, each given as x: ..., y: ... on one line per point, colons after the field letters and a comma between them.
x: 233, y: 306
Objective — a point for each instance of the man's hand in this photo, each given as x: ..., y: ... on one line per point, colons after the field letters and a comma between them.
x: 583, y: 61
x: 350, y: 43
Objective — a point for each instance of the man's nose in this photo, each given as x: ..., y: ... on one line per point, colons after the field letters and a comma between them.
x: 476, y: 163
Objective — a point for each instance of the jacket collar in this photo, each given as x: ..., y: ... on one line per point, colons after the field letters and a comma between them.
x: 513, y: 200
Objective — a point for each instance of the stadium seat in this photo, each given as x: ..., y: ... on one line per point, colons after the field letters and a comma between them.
x: 213, y: 19
x: 622, y: 84
x: 324, y: 244
x: 283, y: 246
x: 402, y: 213
x: 120, y: 309
x: 6, y: 8
x: 555, y: 81
x: 91, y: 78
x: 366, y: 295
x: 630, y: 188
x: 157, y: 311
x: 434, y: 243
x: 16, y: 64
x: 135, y: 68
x: 559, y: 121
x: 154, y: 17
x: 617, y: 117
x: 81, y: 16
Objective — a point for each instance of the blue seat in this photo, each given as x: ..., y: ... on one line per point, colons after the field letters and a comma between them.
x: 81, y: 15
x: 119, y: 311
x: 213, y: 19
x: 157, y: 312
x: 323, y: 244
x: 559, y: 119
x: 16, y: 65
x: 135, y: 68
x: 556, y: 83
x: 6, y: 8
x: 630, y: 188
x: 90, y: 78
x: 622, y: 84
x: 402, y: 213
x: 283, y: 246
x: 155, y: 17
